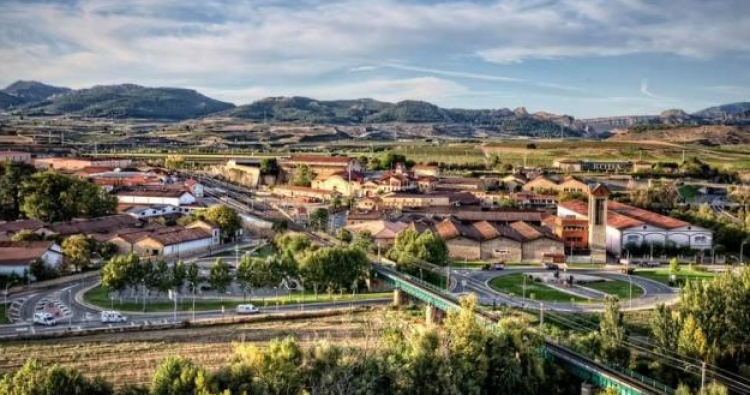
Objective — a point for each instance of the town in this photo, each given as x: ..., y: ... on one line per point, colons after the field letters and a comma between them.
x: 343, y: 197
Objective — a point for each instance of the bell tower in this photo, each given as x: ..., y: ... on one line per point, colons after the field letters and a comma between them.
x: 598, y: 199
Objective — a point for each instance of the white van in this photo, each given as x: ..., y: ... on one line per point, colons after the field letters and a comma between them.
x: 44, y: 318
x: 113, y: 317
x: 247, y: 309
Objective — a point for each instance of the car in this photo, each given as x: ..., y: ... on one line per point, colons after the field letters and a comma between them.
x: 552, y: 266
x: 247, y: 309
x: 44, y: 318
x: 112, y: 317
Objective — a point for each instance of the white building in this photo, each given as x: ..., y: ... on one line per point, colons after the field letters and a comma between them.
x: 171, y: 197
x: 631, y: 225
x: 16, y: 257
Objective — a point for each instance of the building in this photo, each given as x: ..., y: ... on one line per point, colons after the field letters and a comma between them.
x: 345, y: 183
x: 626, y: 224
x: 383, y: 232
x: 165, y: 242
x: 15, y: 156
x: 461, y: 184
x: 359, y: 217
x: 641, y: 166
x: 16, y: 257
x: 484, y: 240
x: 572, y: 230
x: 152, y: 210
x: 544, y: 184
x: 78, y: 163
x: 89, y: 226
x: 243, y: 172
x: 10, y: 228
x: 426, y: 170
x: 305, y: 193
x: 519, y: 199
x: 514, y: 182
x: 167, y: 196
x: 321, y: 164
x: 569, y: 165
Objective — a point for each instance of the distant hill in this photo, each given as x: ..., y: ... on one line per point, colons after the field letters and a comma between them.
x: 719, y: 112
x: 369, y: 111
x: 129, y: 101
x: 33, y: 90
x: 9, y: 101
x: 687, y: 134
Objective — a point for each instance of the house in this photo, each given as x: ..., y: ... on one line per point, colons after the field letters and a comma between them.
x: 627, y: 224
x: 16, y: 257
x: 209, y: 227
x: 345, y: 183
x: 88, y: 226
x: 426, y: 170
x: 10, y: 228
x: 15, y: 156
x: 321, y: 164
x: 368, y: 203
x: 514, y: 182
x: 305, y: 193
x: 152, y: 210
x: 572, y: 230
x: 358, y: 217
x: 172, y: 241
x: 168, y: 196
x: 641, y: 166
x: 401, y: 200
x: 70, y: 163
x: 569, y: 165
x: 383, y: 232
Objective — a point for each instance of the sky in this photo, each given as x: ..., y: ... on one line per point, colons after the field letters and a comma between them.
x: 586, y: 58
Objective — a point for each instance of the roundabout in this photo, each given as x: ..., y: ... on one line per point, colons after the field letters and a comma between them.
x: 571, y: 290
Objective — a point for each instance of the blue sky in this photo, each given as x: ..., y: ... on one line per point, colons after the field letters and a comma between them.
x: 585, y: 58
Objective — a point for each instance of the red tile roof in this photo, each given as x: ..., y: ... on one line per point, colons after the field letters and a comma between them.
x: 623, y: 216
x: 22, y: 253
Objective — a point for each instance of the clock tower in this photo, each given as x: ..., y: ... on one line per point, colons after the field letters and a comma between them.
x: 598, y: 199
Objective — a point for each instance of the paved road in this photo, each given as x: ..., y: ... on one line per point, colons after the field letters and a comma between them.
x: 476, y: 281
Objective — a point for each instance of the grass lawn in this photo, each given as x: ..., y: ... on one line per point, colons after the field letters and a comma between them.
x: 513, y: 283
x: 662, y: 275
x: 3, y: 318
x: 618, y: 288
x: 98, y: 296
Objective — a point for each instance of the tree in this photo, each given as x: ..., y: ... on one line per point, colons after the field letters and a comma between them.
x: 344, y: 235
x: 26, y: 235
x: 692, y: 341
x: 77, y: 249
x: 278, y: 367
x: 179, y: 376
x: 319, y: 219
x: 34, y: 378
x: 467, y: 340
x: 613, y: 333
x: 674, y: 266
x: 162, y: 277
x: 411, y: 247
x: 364, y: 241
x: 269, y: 166
x: 53, y: 197
x: 117, y: 273
x: 336, y: 268
x: 302, y: 176
x: 174, y: 162
x: 665, y: 329
x: 14, y: 174
x: 226, y: 218
x: 179, y: 274
x: 42, y: 271
x: 292, y: 242
x: 220, y: 277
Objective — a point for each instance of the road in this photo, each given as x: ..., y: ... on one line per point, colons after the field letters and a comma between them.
x: 476, y: 281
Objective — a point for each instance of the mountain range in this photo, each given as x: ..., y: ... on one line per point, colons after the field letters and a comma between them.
x: 175, y: 104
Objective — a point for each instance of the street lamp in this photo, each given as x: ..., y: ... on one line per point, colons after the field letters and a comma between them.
x: 7, y: 286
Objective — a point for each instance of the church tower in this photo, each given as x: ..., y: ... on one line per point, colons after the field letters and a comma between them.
x: 598, y: 199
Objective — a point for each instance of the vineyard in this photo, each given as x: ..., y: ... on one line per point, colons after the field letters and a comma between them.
x: 131, y: 358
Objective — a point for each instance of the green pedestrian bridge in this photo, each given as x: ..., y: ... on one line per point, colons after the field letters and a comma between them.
x: 602, y: 375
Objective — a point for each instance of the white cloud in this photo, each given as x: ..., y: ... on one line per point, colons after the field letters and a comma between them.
x: 644, y: 89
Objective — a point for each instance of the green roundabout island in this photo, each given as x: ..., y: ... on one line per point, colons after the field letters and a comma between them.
x: 594, y: 289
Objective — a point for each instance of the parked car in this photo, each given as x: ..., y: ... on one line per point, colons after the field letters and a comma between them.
x: 44, y: 318
x: 113, y: 317
x: 247, y: 309
x: 552, y: 266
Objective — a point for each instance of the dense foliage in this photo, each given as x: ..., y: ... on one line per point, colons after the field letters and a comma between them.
x: 52, y: 197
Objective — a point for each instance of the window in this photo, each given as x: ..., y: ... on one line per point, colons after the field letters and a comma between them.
x: 700, y: 240
x: 633, y: 238
x: 599, y: 212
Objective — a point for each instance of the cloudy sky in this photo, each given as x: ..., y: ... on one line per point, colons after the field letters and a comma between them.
x: 582, y: 57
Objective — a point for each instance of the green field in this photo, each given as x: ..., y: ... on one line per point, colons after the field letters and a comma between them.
x: 98, y: 296
x: 513, y: 284
x: 662, y: 275
x: 618, y: 288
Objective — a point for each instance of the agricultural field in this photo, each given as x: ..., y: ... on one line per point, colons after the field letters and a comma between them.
x: 513, y: 284
x: 618, y: 288
x: 131, y: 358
x: 99, y: 296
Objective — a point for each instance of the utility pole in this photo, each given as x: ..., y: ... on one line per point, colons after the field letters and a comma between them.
x: 541, y: 315
x: 703, y: 376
